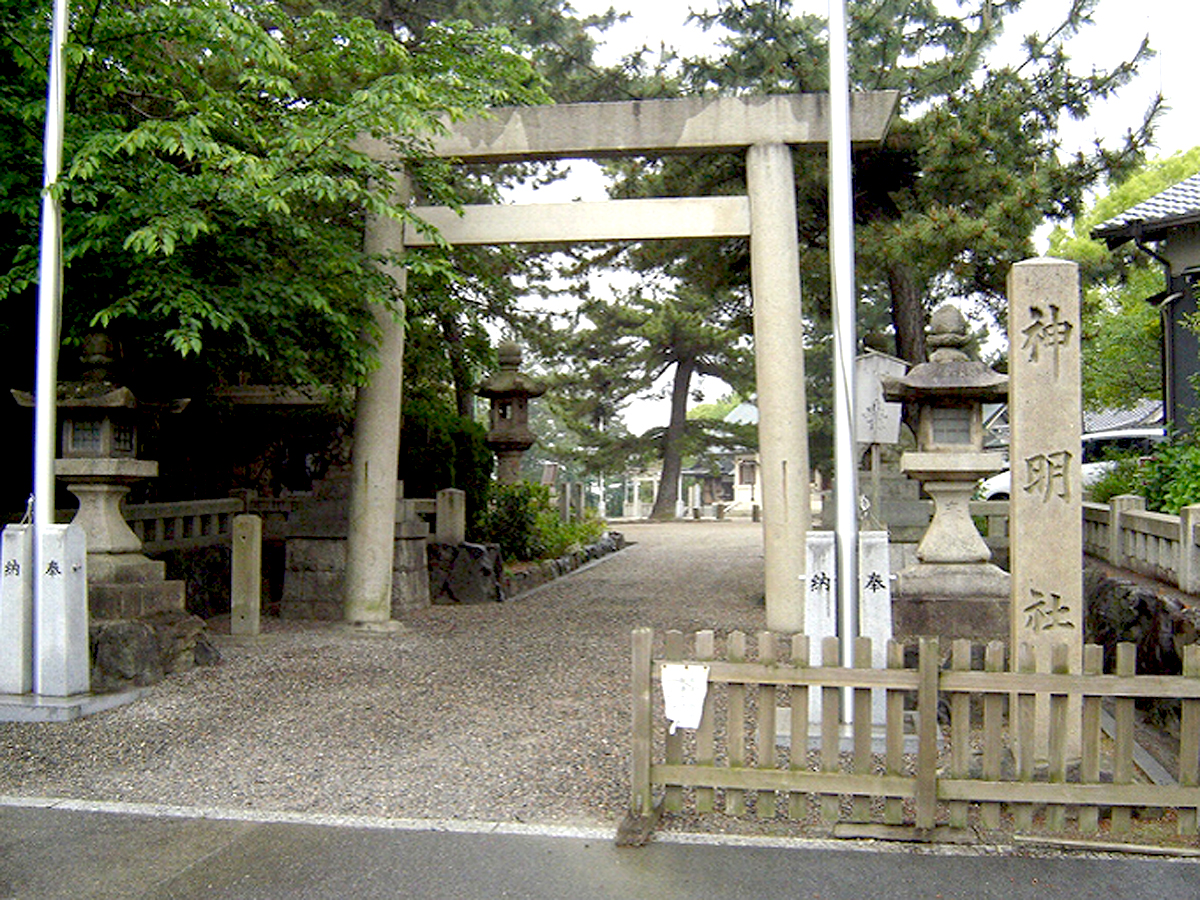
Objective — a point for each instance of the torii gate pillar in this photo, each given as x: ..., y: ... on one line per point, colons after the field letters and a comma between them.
x: 779, y: 376
x: 370, y: 540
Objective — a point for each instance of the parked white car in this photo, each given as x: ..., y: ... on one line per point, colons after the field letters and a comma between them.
x: 1099, y: 448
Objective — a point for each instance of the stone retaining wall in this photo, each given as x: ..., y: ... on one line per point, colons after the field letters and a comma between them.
x: 474, y: 573
x: 1121, y: 606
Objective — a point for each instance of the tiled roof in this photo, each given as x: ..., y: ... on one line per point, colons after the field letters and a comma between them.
x: 1143, y: 414
x: 1177, y: 205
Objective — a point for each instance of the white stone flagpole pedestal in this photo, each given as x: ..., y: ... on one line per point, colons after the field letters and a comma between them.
x: 820, y: 605
x: 61, y: 658
x: 875, y: 608
x: 1045, y: 411
x: 16, y: 610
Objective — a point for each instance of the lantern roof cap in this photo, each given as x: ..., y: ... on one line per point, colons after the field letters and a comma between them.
x: 950, y: 373
x: 509, y: 382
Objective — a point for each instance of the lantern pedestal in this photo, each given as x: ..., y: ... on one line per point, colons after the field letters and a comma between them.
x: 954, y: 590
x: 122, y: 582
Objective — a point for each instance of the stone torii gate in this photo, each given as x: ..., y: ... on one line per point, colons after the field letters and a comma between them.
x: 765, y: 128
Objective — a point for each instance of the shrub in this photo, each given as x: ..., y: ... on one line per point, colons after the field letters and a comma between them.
x: 440, y: 449
x: 1173, y: 475
x: 1126, y: 477
x: 511, y: 519
x: 522, y: 520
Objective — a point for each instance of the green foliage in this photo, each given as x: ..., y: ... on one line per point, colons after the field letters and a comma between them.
x: 1172, y: 476
x: 440, y: 449
x: 969, y: 170
x: 511, y: 519
x: 1126, y: 477
x: 558, y: 538
x: 214, y: 195
x: 521, y: 519
x: 610, y: 351
x: 717, y: 409
x: 1121, y: 332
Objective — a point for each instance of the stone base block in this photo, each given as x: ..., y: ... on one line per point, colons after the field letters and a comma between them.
x: 142, y: 652
x: 124, y: 568
x: 315, y: 568
x: 131, y: 601
x: 968, y: 600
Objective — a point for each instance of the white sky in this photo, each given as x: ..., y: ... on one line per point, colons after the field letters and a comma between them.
x: 1119, y: 26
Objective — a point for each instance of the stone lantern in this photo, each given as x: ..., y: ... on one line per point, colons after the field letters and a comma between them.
x: 953, y: 590
x: 99, y: 464
x: 509, y: 391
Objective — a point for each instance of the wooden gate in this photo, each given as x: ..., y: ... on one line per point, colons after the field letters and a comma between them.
x: 958, y: 747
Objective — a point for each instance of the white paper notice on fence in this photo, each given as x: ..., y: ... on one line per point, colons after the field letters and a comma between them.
x: 684, y: 688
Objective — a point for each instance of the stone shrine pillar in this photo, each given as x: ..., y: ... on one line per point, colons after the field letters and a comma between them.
x: 1046, y: 415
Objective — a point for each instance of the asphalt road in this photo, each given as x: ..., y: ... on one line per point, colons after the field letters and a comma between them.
x: 48, y: 853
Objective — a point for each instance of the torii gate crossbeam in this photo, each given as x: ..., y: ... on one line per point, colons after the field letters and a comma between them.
x: 765, y: 128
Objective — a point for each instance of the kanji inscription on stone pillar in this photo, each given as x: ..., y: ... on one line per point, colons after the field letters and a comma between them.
x: 1045, y: 414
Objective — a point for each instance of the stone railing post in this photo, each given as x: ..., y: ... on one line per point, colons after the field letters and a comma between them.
x: 246, y: 588
x: 1121, y: 504
x: 1189, y: 553
x: 451, y: 516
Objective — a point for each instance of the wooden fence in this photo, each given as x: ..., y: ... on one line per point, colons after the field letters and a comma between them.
x: 976, y: 766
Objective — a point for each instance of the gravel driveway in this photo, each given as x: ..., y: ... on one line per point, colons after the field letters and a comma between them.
x: 513, y: 712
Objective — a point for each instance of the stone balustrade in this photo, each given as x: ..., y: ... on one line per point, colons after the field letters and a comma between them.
x: 183, y: 525
x: 1157, y: 545
x: 187, y: 524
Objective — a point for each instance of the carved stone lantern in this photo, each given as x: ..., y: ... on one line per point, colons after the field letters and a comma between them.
x: 99, y: 464
x: 953, y: 559
x: 509, y: 391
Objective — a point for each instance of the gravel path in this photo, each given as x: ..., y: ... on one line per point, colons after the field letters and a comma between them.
x: 512, y: 712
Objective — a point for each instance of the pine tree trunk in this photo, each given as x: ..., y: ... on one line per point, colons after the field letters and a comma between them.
x: 908, y: 318
x: 908, y: 314
x: 460, y: 369
x: 672, y: 458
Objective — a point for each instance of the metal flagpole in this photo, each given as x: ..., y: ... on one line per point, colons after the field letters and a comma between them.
x: 841, y: 243
x: 49, y: 283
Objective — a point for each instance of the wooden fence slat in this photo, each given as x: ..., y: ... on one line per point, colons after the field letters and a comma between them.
x: 798, y: 739
x: 673, y: 796
x: 1122, y: 816
x: 1143, y: 686
x: 1056, y: 814
x: 1072, y: 793
x: 831, y: 699
x: 861, y: 805
x: 927, y: 728
x: 1089, y: 770
x: 1026, y: 732
x: 960, y: 730
x: 993, y: 730
x: 856, y: 779
x: 893, y: 807
x: 764, y: 805
x: 641, y: 801
x: 735, y: 800
x: 750, y: 779
x: 705, y: 750
x: 1189, y: 740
